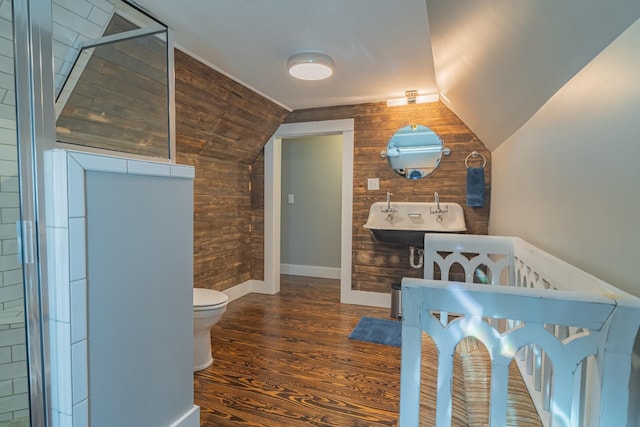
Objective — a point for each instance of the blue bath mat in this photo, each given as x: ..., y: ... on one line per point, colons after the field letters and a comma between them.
x: 379, y: 331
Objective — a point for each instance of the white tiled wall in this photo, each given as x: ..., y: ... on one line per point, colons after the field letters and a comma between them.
x: 67, y: 271
x: 14, y: 401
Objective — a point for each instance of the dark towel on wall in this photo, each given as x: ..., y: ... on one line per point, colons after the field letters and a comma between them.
x: 475, y: 187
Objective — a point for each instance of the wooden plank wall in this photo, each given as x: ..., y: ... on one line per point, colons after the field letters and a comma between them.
x: 120, y: 100
x: 221, y: 128
x: 377, y: 265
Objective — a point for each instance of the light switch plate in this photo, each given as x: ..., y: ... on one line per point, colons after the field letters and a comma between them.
x: 373, y: 184
x: 291, y: 199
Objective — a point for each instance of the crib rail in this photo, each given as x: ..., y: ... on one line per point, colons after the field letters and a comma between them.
x: 571, y: 333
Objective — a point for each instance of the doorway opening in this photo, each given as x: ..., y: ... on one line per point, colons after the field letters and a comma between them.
x: 311, y: 174
x: 272, y: 208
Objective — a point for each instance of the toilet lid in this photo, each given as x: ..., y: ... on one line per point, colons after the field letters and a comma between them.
x: 208, y: 297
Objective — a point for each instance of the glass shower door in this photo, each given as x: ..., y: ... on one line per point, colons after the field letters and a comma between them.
x: 14, y: 383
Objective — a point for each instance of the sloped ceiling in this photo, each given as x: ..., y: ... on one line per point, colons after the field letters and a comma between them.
x: 495, y: 62
x: 498, y: 61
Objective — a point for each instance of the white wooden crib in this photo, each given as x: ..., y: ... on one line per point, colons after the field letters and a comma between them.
x: 571, y: 334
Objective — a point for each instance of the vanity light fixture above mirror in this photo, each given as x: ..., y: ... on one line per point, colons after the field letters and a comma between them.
x: 412, y: 97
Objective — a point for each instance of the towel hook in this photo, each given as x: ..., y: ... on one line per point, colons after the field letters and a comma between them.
x: 475, y: 154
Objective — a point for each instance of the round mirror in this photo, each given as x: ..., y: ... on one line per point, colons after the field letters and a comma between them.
x: 415, y: 151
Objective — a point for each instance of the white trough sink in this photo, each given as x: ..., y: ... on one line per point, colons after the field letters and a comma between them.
x: 406, y: 222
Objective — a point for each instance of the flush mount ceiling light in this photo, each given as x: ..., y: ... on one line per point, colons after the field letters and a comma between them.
x: 310, y: 66
x: 412, y: 97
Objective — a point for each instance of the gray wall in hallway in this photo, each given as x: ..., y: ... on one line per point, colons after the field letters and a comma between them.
x: 312, y: 172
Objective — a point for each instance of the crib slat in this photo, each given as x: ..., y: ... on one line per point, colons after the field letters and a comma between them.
x: 613, y: 405
x: 499, y: 387
x: 468, y: 271
x: 546, y: 381
x: 547, y: 372
x: 537, y: 368
x: 561, y: 400
x: 445, y: 390
x: 410, y: 381
x: 578, y: 401
x: 410, y: 359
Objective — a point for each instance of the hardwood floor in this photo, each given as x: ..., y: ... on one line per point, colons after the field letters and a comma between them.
x: 285, y: 360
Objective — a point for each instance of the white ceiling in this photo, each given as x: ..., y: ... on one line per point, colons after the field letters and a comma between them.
x: 496, y: 61
x: 380, y: 47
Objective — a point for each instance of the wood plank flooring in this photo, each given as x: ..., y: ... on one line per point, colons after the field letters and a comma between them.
x: 285, y: 360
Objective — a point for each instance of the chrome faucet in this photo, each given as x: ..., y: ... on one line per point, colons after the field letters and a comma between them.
x: 389, y: 210
x: 438, y: 210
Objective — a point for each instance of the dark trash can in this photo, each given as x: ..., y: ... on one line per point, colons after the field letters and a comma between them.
x: 396, y: 301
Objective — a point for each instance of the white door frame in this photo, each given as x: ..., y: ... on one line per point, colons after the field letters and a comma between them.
x: 272, y: 190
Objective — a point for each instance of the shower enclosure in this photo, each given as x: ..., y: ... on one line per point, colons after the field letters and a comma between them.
x: 112, y: 76
x: 96, y: 74
x: 14, y: 386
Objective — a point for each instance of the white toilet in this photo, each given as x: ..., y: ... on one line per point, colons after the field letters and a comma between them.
x: 208, y: 307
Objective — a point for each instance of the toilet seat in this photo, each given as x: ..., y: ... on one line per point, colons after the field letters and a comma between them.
x: 208, y: 299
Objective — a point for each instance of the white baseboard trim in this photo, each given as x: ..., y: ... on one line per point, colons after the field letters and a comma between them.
x: 260, y: 287
x: 310, y: 271
x: 245, y: 288
x: 190, y: 419
x: 373, y: 299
